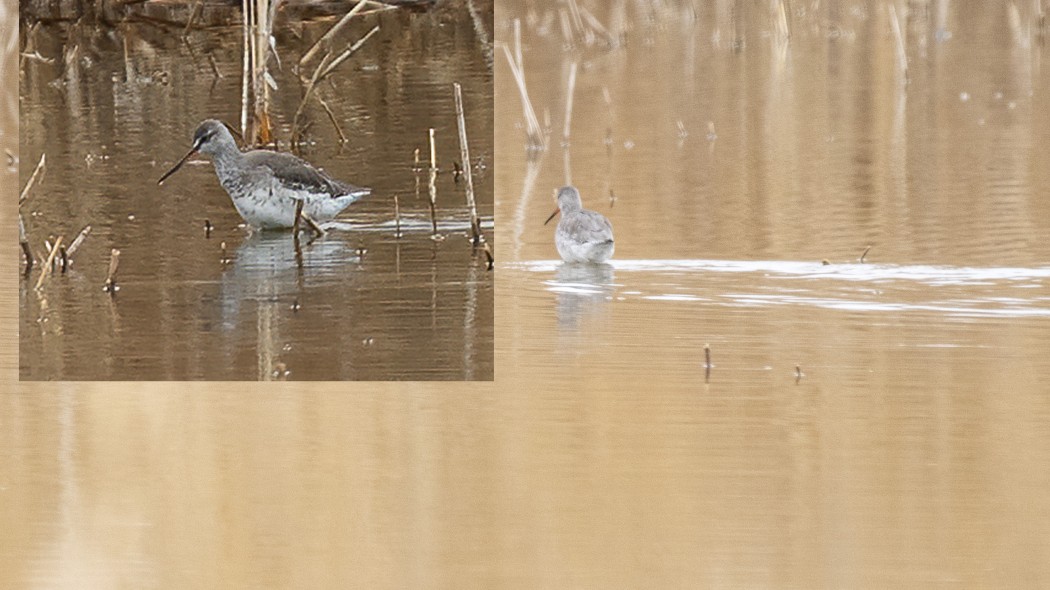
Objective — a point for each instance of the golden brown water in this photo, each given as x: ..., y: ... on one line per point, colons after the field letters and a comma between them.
x: 911, y: 453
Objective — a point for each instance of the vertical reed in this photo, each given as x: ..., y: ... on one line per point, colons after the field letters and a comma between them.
x: 433, y: 185
x: 464, y: 152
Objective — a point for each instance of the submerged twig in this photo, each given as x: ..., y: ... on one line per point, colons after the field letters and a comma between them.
x: 864, y: 254
x: 464, y: 151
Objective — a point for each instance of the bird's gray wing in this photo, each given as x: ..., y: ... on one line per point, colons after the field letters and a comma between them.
x: 299, y: 174
x: 589, y: 227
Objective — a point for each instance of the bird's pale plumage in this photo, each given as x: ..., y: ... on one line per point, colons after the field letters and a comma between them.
x: 582, y: 235
x: 265, y: 185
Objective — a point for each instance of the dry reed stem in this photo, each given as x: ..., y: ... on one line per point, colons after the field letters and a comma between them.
x: 198, y: 7
x: 245, y: 64
x: 313, y: 224
x: 902, y: 56
x: 433, y: 183
x: 568, y: 101
x: 598, y: 27
x: 331, y: 117
x: 397, y: 217
x: 346, y: 54
x: 47, y: 265
x: 40, y: 165
x: 319, y: 74
x: 532, y: 123
x: 330, y: 33
x: 464, y: 153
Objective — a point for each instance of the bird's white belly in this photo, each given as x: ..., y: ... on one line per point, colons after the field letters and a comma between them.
x: 572, y: 250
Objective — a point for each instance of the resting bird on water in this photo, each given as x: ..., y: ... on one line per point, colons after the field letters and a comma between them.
x: 582, y: 235
x: 265, y: 185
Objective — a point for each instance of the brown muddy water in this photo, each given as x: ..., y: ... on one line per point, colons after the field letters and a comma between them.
x: 114, y: 107
x: 732, y: 156
x: 911, y: 453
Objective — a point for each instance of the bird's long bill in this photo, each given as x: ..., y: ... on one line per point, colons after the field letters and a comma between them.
x: 177, y: 166
x: 556, y: 211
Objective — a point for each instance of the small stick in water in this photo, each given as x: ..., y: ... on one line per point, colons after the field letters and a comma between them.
x: 798, y: 374
x: 25, y: 245
x: 864, y: 254
x: 313, y: 224
x: 78, y: 241
x: 416, y: 159
x: 223, y: 259
x: 457, y: 171
x: 49, y: 264
x: 825, y: 262
x: 111, y: 286
x: 707, y: 363
x: 64, y: 257
x: 397, y: 218
x: 488, y: 254
x: 298, y: 218
x: 207, y: 229
x: 433, y: 186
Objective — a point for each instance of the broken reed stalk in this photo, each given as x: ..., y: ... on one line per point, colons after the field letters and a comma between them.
x: 32, y: 179
x: 532, y: 124
x: 568, y: 102
x: 464, y: 154
x: 47, y: 265
x: 433, y: 183
x: 313, y: 224
x: 326, y: 38
x: 260, y: 75
x: 25, y: 245
x: 331, y: 117
x: 324, y: 69
x: 902, y: 56
x: 198, y: 6
x: 597, y: 26
x: 77, y: 241
x: 397, y: 218
x: 864, y: 254
x: 110, y: 285
x: 346, y: 54
x: 489, y: 256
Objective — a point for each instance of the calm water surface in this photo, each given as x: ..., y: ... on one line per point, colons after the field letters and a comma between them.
x: 863, y: 424
x: 120, y: 109
x: 910, y: 454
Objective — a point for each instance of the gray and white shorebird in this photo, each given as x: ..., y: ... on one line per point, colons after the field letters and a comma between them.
x: 582, y: 235
x: 265, y: 185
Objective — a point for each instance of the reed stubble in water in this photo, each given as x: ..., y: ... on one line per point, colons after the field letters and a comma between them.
x: 464, y: 151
